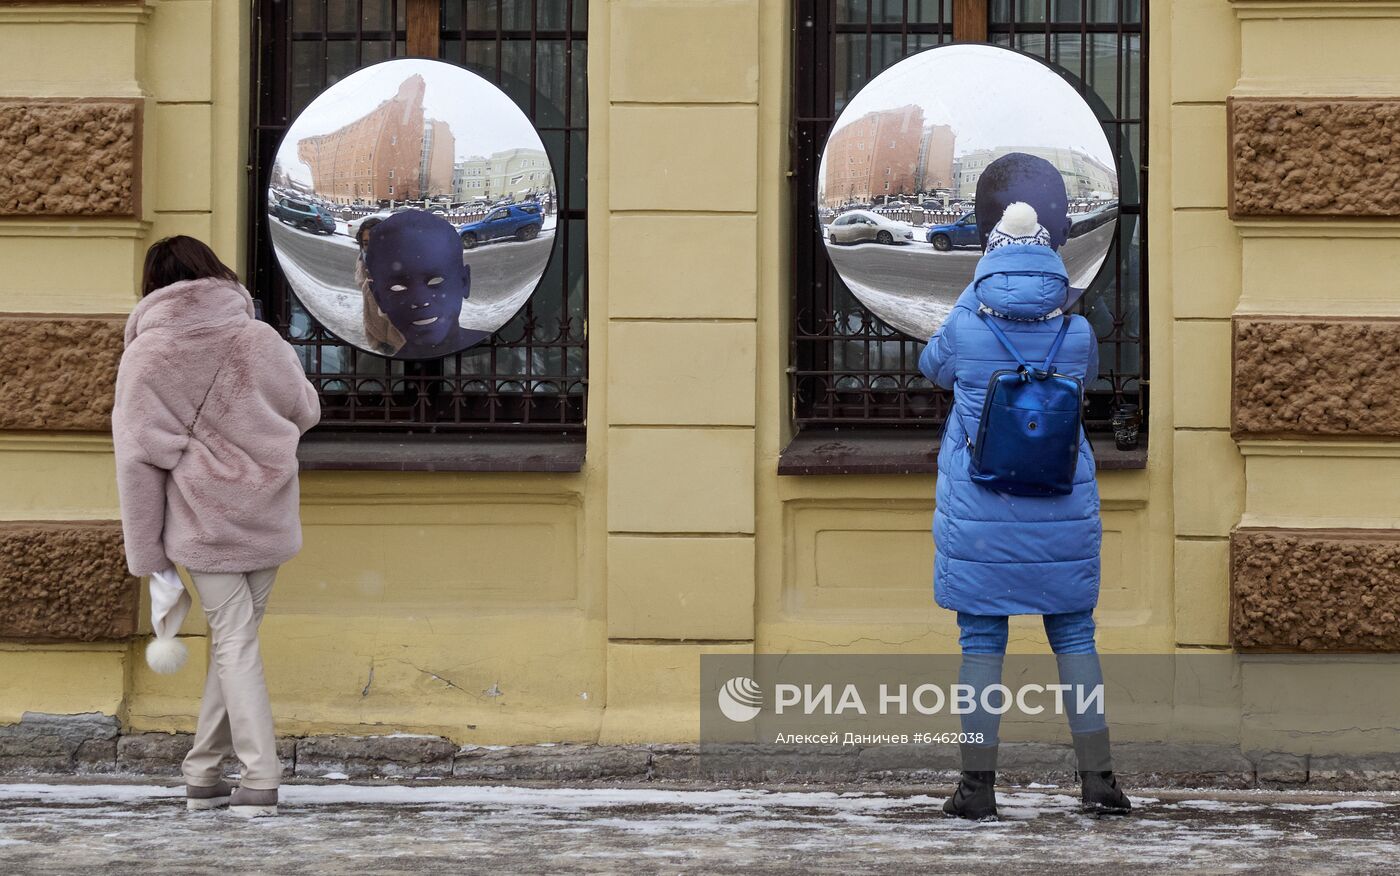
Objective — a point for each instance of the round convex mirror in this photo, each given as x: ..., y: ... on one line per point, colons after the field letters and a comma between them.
x: 923, y: 160
x: 412, y: 208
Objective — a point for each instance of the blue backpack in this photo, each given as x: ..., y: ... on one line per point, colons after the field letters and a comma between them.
x: 1028, y: 436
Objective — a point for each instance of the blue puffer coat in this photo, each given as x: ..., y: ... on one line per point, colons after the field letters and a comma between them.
x: 998, y: 554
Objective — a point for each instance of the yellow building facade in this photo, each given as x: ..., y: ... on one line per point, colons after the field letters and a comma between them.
x: 518, y: 607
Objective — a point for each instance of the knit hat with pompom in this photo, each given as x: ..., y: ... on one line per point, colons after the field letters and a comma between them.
x: 1018, y: 225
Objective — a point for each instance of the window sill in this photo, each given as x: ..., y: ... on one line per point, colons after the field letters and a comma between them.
x: 865, y: 451
x: 479, y: 452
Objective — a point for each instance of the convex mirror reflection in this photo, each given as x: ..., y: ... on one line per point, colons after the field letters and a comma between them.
x: 921, y: 163
x: 412, y: 208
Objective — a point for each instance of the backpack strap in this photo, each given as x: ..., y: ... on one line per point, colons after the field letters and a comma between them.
x: 1005, y: 341
x: 1049, y: 365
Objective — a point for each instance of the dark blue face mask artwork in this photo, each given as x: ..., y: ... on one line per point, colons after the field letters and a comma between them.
x: 414, y: 263
x: 1031, y: 179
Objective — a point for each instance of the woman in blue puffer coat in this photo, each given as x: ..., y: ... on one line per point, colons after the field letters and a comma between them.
x: 998, y: 554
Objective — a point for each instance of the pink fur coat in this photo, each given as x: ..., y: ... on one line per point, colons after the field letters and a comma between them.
x: 209, y: 409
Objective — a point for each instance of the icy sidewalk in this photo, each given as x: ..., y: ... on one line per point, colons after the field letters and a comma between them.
x: 440, y: 828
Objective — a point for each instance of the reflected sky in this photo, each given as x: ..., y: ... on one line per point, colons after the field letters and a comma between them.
x: 991, y: 97
x: 483, y: 119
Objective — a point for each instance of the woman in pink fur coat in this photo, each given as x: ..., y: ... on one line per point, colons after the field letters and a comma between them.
x: 210, y: 406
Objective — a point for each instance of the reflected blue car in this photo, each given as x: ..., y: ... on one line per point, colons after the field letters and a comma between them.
x: 511, y: 222
x: 307, y: 217
x: 960, y: 233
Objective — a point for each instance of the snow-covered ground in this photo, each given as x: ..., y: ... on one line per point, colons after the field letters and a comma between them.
x: 918, y: 316
x: 442, y: 827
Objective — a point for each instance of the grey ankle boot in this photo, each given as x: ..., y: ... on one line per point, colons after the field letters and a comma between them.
x: 253, y: 802
x: 199, y: 798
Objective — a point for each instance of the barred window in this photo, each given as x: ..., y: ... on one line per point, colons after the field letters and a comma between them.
x: 532, y: 374
x: 849, y: 367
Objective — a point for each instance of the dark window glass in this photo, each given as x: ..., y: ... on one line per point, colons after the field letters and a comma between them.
x: 532, y: 373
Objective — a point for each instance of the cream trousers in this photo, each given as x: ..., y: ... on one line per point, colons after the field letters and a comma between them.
x: 236, y: 715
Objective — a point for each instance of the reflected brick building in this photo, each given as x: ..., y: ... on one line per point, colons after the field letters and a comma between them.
x: 877, y: 154
x: 435, y: 174
x: 936, y: 158
x: 888, y: 153
x: 390, y: 153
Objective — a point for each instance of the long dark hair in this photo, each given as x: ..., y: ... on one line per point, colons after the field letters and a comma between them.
x: 178, y: 258
x: 365, y: 228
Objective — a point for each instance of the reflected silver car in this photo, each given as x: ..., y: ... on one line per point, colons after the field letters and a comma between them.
x: 861, y: 226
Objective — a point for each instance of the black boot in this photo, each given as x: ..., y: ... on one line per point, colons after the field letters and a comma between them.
x: 1100, y: 794
x: 975, y: 798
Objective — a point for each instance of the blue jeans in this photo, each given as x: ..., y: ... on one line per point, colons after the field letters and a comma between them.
x: 983, y: 641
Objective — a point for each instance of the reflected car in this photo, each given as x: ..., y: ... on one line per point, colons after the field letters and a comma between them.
x: 352, y: 227
x: 960, y: 233
x: 307, y: 217
x: 861, y: 226
x: 1083, y: 223
x: 511, y: 222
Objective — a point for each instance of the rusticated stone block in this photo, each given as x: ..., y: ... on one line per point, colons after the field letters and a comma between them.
x: 65, y: 582
x: 1306, y: 377
x: 1276, y: 767
x: 367, y: 756
x: 1369, y: 772
x: 1315, y: 590
x: 162, y: 754
x: 70, y: 157
x: 58, y: 744
x: 153, y: 754
x: 674, y: 762
x: 1182, y: 765
x: 1301, y: 157
x: 96, y: 756
x: 557, y: 763
x: 60, y: 372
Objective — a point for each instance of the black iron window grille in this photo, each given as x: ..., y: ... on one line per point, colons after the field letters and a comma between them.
x: 849, y: 367
x: 532, y: 374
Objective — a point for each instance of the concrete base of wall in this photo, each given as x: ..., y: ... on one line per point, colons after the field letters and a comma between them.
x: 92, y: 744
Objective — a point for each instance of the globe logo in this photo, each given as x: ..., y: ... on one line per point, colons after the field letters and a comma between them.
x: 740, y: 699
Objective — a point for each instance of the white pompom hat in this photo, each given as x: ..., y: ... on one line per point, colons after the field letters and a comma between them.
x: 170, y: 602
x: 1018, y: 225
